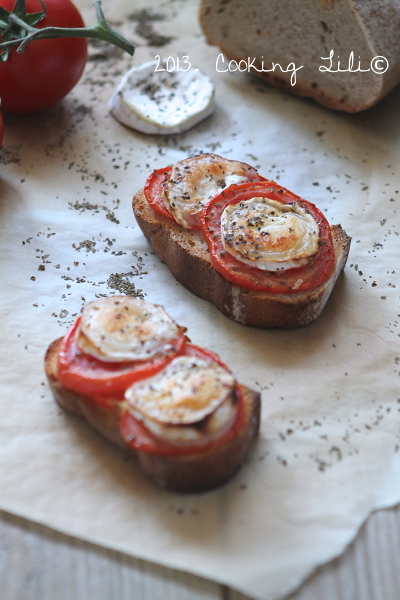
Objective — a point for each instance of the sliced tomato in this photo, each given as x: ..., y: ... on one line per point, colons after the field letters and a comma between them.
x: 235, y: 271
x: 138, y: 437
x: 87, y: 375
x: 153, y: 190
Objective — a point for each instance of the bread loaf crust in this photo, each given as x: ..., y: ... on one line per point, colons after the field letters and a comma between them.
x: 191, y: 473
x: 186, y: 254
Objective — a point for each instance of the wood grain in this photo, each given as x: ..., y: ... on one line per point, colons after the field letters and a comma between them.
x: 37, y: 563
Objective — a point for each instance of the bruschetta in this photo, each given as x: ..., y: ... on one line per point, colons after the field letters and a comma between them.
x: 131, y: 372
x: 261, y: 254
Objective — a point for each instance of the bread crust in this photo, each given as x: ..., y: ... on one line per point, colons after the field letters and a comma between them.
x: 191, y: 473
x: 105, y: 418
x: 186, y: 254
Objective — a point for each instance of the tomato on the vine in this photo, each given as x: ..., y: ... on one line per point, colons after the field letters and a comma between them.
x: 47, y: 69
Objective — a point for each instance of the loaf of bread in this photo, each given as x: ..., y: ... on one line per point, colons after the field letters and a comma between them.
x: 343, y: 53
x: 181, y: 467
x: 186, y: 254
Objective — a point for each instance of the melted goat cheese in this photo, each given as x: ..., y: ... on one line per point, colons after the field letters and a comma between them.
x: 195, y: 180
x: 122, y: 328
x: 161, y: 101
x: 190, y: 400
x: 270, y: 235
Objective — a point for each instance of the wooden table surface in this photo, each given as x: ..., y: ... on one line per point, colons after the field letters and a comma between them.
x: 38, y: 563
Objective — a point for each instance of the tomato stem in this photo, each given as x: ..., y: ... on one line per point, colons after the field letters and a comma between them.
x: 99, y: 31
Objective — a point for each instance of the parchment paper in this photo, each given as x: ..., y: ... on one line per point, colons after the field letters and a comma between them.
x: 327, y: 454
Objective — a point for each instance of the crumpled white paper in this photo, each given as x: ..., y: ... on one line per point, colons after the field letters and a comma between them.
x: 328, y: 450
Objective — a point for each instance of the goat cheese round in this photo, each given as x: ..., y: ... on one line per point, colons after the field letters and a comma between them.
x: 270, y: 235
x: 153, y: 99
x: 195, y: 180
x: 119, y: 329
x: 187, y: 392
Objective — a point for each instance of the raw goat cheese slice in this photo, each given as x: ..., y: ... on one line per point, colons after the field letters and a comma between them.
x: 162, y: 102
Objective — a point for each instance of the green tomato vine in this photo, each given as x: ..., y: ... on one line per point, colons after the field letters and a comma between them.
x: 17, y: 29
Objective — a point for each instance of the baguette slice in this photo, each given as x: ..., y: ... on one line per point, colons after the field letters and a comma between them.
x: 304, y: 33
x: 196, y: 472
x: 186, y: 254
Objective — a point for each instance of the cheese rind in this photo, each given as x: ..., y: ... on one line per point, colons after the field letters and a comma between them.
x: 119, y: 329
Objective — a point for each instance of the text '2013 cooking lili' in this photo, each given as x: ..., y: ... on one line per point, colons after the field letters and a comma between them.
x: 333, y: 63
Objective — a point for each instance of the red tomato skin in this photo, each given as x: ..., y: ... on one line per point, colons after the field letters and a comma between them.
x: 1, y: 129
x: 84, y: 374
x: 47, y: 70
x: 153, y: 190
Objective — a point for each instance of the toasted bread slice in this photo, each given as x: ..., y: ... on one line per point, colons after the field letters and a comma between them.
x: 189, y: 473
x: 186, y: 254
x: 342, y: 53
x: 105, y: 417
